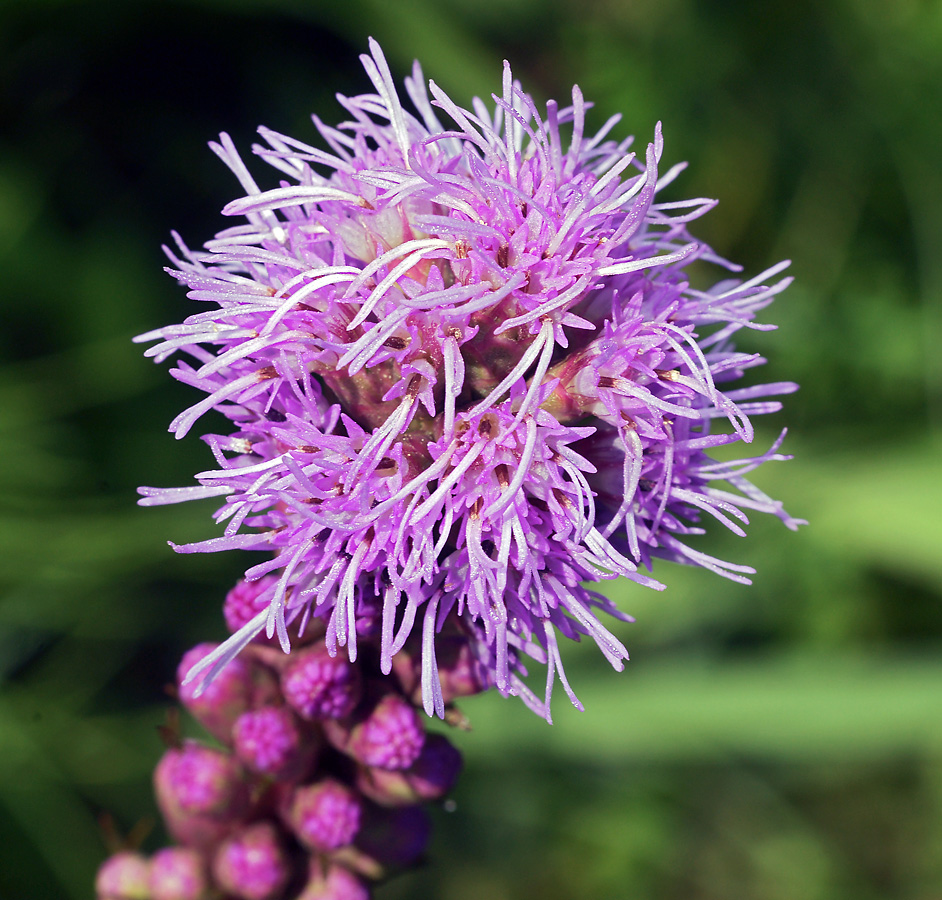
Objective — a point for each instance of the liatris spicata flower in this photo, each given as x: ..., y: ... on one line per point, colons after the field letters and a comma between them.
x: 467, y: 373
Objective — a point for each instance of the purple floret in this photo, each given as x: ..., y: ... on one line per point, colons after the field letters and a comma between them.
x: 467, y: 375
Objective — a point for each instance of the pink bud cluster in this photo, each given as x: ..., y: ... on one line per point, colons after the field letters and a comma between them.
x: 318, y: 785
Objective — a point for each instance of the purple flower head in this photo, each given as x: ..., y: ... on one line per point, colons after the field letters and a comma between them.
x: 325, y: 815
x: 466, y: 373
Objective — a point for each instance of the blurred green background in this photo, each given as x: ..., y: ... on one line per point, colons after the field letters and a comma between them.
x: 777, y: 742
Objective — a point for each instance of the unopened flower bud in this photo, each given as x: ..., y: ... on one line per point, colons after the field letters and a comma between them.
x: 178, y: 873
x: 325, y: 815
x: 394, y: 838
x: 430, y: 777
x: 123, y: 876
x: 251, y: 864
x: 268, y: 741
x: 245, y: 601
x: 321, y: 686
x: 461, y: 674
x: 389, y: 737
x: 201, y: 792
x: 218, y: 704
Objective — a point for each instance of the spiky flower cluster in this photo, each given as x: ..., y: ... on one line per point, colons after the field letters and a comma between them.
x: 318, y: 784
x: 467, y: 373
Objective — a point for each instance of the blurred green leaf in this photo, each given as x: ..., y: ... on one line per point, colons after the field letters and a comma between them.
x: 791, y: 709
